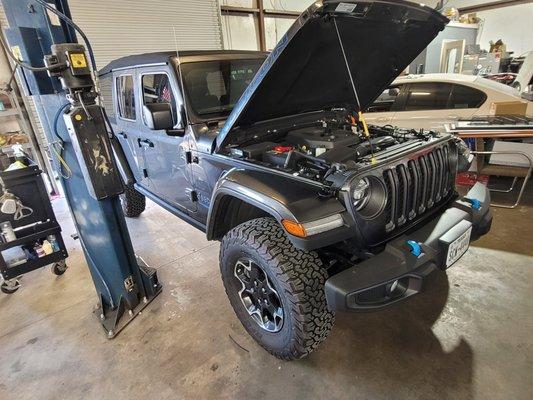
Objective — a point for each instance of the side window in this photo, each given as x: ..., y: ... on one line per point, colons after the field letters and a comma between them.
x: 385, y: 101
x: 157, y: 90
x: 428, y: 96
x: 125, y: 97
x: 466, y: 97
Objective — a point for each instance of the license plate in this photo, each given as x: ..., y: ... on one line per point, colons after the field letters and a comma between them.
x: 458, y: 247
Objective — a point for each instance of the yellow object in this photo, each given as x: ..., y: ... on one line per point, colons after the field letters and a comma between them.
x: 78, y: 60
x: 16, y: 52
x: 16, y: 165
x: 68, y: 171
x: 47, y: 247
x: 365, y: 126
x: 294, y: 228
x: 78, y: 117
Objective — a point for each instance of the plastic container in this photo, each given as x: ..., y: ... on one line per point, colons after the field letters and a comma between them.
x: 7, y: 231
x: 14, y: 256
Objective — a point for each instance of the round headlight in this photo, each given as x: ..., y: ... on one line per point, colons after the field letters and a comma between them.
x: 368, y: 196
x: 465, y: 156
x: 361, y: 193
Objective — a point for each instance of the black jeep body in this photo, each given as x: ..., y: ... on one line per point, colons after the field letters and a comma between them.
x: 270, y: 154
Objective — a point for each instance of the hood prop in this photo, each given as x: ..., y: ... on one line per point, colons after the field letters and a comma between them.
x: 359, y: 111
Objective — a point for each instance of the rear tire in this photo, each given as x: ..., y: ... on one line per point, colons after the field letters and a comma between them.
x: 296, y: 278
x: 133, y: 202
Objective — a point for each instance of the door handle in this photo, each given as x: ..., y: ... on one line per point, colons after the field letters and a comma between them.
x: 145, y: 142
x: 453, y: 116
x: 383, y: 119
x: 123, y: 134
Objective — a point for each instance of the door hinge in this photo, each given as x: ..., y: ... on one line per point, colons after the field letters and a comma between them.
x: 194, y: 196
x: 145, y: 173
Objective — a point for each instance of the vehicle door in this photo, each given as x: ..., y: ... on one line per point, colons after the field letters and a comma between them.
x: 382, y: 111
x: 166, y: 149
x: 432, y: 105
x: 127, y: 126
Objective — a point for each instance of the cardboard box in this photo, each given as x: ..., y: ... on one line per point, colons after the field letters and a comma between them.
x: 508, y: 108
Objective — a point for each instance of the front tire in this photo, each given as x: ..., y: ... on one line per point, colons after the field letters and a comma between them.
x: 294, y: 319
x: 133, y: 203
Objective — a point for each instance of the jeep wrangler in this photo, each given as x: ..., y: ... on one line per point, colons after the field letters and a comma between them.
x: 270, y: 154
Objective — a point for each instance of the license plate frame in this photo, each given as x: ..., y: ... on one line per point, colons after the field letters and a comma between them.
x: 458, y: 247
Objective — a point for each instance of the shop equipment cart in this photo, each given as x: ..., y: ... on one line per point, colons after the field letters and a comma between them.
x: 28, y: 186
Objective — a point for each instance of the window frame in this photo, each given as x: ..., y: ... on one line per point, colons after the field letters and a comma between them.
x: 115, y: 90
x: 145, y: 71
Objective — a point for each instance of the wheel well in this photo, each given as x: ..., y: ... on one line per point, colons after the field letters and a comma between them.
x: 232, y: 212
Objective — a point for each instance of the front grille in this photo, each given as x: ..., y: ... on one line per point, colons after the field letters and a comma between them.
x: 417, y: 185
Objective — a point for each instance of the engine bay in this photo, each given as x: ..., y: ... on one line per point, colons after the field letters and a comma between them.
x: 311, y: 150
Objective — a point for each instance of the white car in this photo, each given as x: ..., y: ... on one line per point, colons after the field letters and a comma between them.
x: 525, y: 74
x: 430, y: 101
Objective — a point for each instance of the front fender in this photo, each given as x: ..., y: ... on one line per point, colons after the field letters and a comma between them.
x: 282, y: 198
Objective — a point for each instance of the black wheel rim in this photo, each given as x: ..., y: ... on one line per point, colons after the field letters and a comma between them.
x: 258, y: 295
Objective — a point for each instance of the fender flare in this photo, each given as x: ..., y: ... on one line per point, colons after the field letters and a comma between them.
x: 280, y: 197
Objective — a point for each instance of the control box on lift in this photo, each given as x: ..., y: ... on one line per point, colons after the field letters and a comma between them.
x: 85, y: 121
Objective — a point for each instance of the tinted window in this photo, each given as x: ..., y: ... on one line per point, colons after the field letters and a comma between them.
x: 157, y: 89
x: 214, y: 87
x: 466, y: 97
x: 386, y: 100
x: 126, y: 97
x: 428, y: 96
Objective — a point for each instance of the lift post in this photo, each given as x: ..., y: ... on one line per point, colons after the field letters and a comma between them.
x: 125, y: 285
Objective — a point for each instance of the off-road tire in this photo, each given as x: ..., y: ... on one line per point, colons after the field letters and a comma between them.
x: 133, y: 202
x: 298, y: 277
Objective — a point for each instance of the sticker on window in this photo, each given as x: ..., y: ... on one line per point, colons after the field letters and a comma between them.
x: 345, y: 7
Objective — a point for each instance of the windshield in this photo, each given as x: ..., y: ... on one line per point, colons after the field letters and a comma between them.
x: 213, y: 87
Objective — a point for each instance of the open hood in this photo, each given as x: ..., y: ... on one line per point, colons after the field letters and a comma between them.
x: 307, y: 70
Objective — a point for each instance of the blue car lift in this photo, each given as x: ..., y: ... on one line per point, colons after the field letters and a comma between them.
x: 125, y: 285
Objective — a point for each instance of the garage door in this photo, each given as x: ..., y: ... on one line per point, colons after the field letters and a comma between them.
x: 124, y: 27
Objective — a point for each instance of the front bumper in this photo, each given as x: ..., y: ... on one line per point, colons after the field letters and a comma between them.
x: 398, y: 273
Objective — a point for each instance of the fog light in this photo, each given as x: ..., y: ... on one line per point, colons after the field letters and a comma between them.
x: 392, y: 287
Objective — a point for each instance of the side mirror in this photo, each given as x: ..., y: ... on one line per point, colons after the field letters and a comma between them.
x: 158, y: 116
x: 179, y: 128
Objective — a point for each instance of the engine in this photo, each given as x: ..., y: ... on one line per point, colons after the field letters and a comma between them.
x: 311, y: 151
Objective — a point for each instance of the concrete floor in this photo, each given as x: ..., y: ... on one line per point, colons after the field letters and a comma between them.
x: 468, y: 337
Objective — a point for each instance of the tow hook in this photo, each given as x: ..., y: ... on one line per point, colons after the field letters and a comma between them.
x: 476, y: 204
x: 416, y: 249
